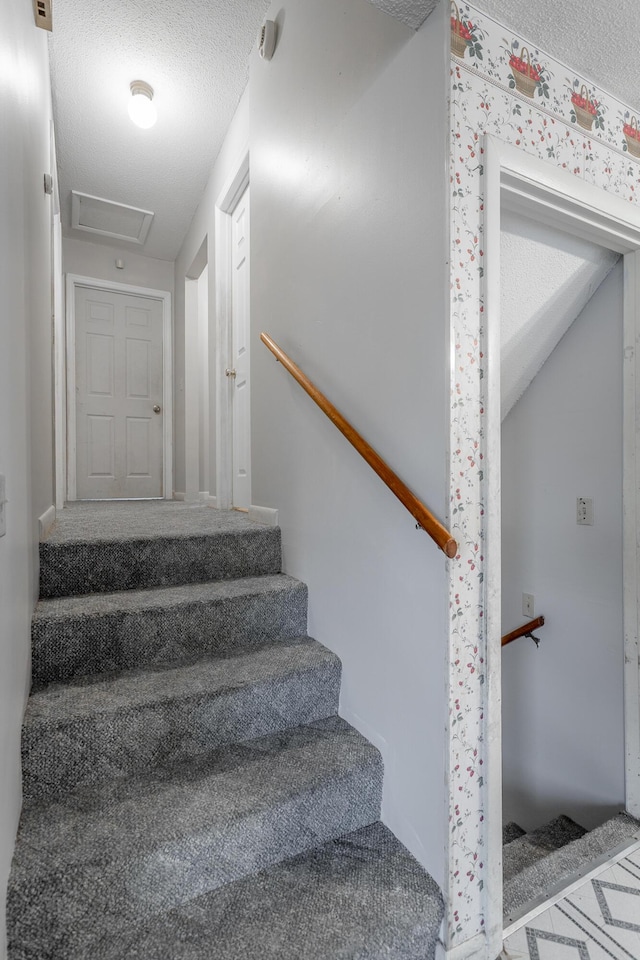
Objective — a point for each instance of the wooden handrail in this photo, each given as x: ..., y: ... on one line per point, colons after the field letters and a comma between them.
x: 439, y: 534
x: 524, y: 631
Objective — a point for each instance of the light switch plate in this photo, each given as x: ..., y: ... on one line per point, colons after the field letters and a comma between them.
x: 3, y: 503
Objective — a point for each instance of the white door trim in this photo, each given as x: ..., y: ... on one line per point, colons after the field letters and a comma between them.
x: 73, y: 281
x: 59, y: 370
x: 555, y: 197
x: 227, y: 200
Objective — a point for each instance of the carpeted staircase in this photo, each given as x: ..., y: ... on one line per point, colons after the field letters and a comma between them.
x: 189, y: 790
x: 536, y: 863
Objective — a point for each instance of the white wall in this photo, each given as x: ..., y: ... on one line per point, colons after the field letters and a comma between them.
x: 25, y: 378
x: 197, y: 250
x: 348, y: 196
x: 562, y: 704
x: 98, y: 260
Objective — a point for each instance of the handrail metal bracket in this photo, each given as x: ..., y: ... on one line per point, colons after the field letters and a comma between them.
x: 526, y: 630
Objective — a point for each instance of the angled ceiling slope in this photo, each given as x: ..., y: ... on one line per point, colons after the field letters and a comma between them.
x: 547, y: 278
x: 411, y: 12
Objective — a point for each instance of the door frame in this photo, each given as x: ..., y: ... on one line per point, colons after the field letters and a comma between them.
x: 555, y: 197
x: 72, y: 281
x: 225, y: 205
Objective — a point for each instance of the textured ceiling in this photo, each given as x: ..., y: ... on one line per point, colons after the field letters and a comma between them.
x: 411, y: 12
x: 194, y: 55
x: 547, y: 277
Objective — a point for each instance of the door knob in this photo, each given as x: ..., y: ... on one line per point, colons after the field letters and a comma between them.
x: 156, y: 408
x: 230, y: 373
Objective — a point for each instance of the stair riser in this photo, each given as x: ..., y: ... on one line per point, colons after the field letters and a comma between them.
x: 58, y: 759
x: 103, y: 567
x: 151, y: 882
x: 78, y: 646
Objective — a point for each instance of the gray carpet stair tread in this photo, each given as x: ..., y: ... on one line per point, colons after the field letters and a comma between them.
x: 96, y: 728
x: 164, y: 545
x: 359, y: 897
x: 89, y: 521
x: 77, y: 636
x: 536, y: 844
x: 562, y: 863
x: 511, y: 831
x: 153, y: 842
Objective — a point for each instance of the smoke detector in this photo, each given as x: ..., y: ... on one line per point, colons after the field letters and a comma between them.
x: 267, y: 39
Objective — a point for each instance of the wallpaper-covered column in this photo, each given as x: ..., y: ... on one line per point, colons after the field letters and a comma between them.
x: 504, y: 86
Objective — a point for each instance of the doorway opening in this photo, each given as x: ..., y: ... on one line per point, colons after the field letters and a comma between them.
x: 561, y: 445
x: 233, y: 330
x: 531, y: 188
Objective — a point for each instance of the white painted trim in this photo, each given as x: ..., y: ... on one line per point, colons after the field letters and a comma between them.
x: 225, y: 204
x: 191, y: 390
x: 554, y: 196
x: 631, y: 516
x: 474, y: 949
x: 266, y: 515
x: 206, y: 497
x: 45, y: 521
x: 492, y: 581
x: 567, y: 887
x: 73, y: 281
x: 543, y: 192
x: 71, y: 388
x: 178, y: 495
x: 59, y: 370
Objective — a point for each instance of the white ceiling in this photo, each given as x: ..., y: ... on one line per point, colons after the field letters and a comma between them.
x: 546, y: 279
x: 195, y: 56
x: 411, y: 12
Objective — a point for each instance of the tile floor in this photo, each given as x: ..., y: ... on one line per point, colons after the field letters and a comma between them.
x: 598, y: 919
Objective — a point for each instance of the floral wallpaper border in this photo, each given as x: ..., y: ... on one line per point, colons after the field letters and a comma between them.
x: 502, y: 85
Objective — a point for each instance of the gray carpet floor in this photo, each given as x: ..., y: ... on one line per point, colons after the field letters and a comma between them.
x: 190, y: 791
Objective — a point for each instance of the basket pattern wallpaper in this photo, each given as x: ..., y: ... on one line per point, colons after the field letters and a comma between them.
x: 501, y: 85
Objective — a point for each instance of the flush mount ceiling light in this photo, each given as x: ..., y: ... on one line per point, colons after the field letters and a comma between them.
x: 141, y: 106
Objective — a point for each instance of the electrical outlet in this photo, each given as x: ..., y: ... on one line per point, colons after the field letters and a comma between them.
x: 584, y: 511
x: 528, y: 605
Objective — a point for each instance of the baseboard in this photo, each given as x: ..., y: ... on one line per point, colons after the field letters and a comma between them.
x: 179, y: 496
x: 473, y: 949
x: 206, y: 497
x: 266, y: 515
x: 46, y: 521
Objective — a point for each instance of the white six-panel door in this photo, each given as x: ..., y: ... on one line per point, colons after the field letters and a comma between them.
x: 119, y: 395
x: 240, y: 331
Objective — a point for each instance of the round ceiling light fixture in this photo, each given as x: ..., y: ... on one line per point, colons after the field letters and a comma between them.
x: 142, y: 109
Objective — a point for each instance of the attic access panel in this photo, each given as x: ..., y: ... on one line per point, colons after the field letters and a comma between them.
x: 109, y: 219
